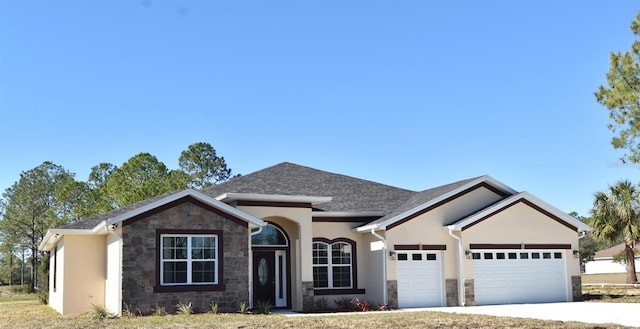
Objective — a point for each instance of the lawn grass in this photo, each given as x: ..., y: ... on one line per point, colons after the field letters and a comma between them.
x: 614, y: 278
x: 31, y: 314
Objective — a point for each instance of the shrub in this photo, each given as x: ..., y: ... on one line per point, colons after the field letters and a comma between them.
x: 344, y: 303
x: 159, y: 310
x: 243, y: 308
x: 264, y: 306
x: 19, y: 289
x: 321, y: 304
x: 129, y: 311
x: 213, y: 307
x: 100, y: 312
x: 43, y: 296
x: 184, y: 308
x: 364, y: 305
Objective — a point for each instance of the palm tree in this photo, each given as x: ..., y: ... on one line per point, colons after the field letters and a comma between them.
x: 617, y: 215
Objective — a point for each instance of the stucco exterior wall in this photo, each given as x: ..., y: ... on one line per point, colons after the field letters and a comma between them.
x: 428, y: 228
x: 139, y: 260
x: 521, y: 224
x: 296, y: 222
x: 82, y: 267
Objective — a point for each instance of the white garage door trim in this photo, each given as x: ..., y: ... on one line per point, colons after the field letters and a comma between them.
x: 519, y: 276
x: 419, y: 277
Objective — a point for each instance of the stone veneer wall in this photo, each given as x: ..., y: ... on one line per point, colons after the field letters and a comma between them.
x: 308, y: 302
x: 451, y: 291
x: 139, y: 261
x: 469, y: 293
x: 576, y: 288
x: 392, y: 293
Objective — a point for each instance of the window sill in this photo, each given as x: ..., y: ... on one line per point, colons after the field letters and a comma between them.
x: 191, y: 287
x: 325, y: 292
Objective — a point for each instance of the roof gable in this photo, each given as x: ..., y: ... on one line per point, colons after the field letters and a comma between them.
x: 528, y: 199
x: 430, y: 199
x: 98, y: 224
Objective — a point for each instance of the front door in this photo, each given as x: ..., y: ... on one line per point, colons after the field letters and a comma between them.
x: 269, y: 277
x: 264, y: 279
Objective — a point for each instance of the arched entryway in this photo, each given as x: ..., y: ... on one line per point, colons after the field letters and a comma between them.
x: 271, y: 266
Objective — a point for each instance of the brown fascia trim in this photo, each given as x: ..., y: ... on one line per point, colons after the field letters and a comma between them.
x: 547, y: 246
x: 273, y: 204
x: 528, y: 203
x: 398, y: 247
x: 455, y: 196
x: 180, y: 201
x: 325, y: 219
x: 354, y: 265
x: 191, y: 287
x: 495, y: 246
x: 328, y: 292
x: 519, y: 246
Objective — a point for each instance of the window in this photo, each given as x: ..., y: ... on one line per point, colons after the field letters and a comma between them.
x: 500, y: 255
x: 488, y: 255
x: 332, y: 265
x: 188, y: 259
x: 431, y: 256
x: 416, y: 256
x: 513, y: 255
x: 402, y: 256
x: 535, y: 255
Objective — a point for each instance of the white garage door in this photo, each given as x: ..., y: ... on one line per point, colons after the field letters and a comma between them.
x: 519, y: 276
x: 419, y: 279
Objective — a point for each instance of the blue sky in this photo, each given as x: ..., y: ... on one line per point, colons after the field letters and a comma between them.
x: 413, y: 94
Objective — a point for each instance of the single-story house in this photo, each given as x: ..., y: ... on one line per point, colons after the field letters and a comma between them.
x: 603, y: 261
x: 291, y: 235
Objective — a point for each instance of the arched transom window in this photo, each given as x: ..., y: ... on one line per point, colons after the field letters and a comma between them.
x: 271, y: 235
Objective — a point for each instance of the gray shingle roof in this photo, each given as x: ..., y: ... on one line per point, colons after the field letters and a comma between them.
x: 349, y: 193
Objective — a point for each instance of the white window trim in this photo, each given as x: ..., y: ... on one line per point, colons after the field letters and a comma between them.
x: 189, y: 260
x: 330, y: 265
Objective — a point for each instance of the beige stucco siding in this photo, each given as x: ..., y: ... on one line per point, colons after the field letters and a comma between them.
x: 521, y: 224
x: 296, y: 222
x: 81, y: 270
x: 428, y: 228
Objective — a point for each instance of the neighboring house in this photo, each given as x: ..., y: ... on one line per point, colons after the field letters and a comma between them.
x: 291, y: 235
x: 603, y: 261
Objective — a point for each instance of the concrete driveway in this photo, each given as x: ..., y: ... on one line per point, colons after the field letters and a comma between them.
x: 590, y: 312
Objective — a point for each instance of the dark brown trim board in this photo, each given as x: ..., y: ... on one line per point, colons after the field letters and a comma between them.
x: 420, y: 247
x: 519, y: 246
x: 180, y: 201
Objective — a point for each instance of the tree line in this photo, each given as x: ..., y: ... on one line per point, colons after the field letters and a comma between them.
x: 49, y: 196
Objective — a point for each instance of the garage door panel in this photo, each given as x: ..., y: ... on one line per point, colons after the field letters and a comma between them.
x: 532, y: 276
x: 419, y: 279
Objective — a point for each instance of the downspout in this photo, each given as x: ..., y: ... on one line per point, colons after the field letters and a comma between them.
x: 461, y: 291
x: 111, y: 229
x: 251, y: 266
x: 384, y: 266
